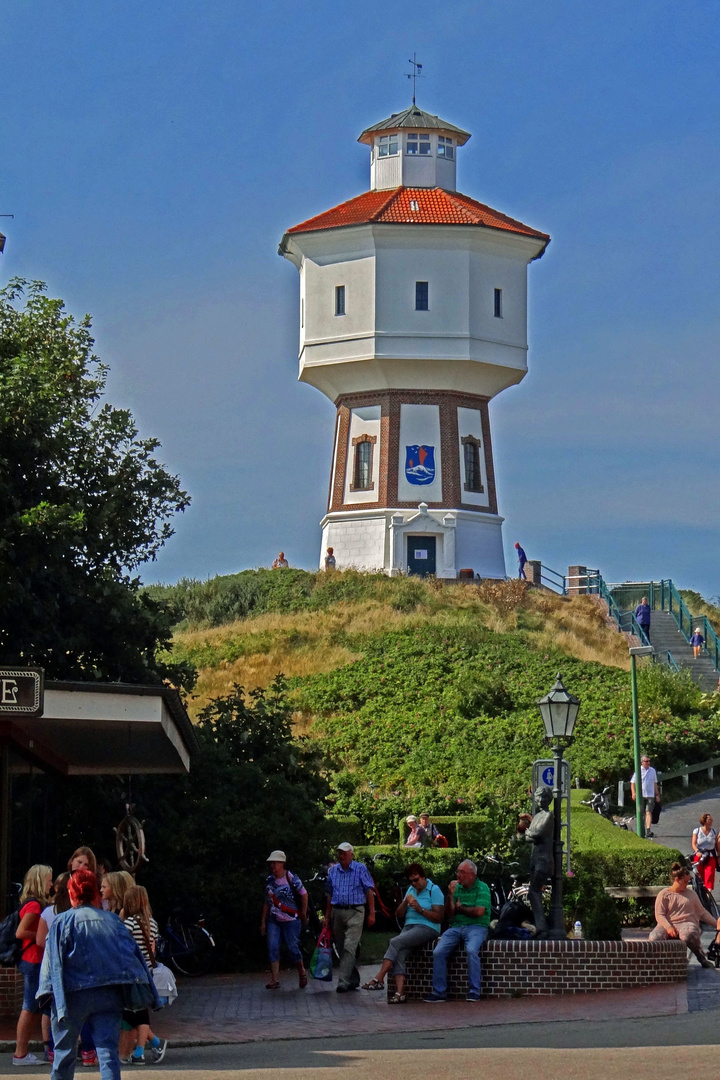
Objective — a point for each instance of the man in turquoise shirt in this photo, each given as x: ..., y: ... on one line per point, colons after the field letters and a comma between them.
x: 468, y: 909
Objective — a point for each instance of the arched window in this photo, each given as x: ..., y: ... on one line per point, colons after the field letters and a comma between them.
x: 363, y: 448
x: 473, y: 473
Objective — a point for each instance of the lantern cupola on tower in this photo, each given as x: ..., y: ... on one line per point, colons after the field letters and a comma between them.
x: 413, y: 149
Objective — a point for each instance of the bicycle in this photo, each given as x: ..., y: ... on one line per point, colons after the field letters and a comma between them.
x: 600, y: 803
x: 388, y: 907
x: 703, y: 894
x: 497, y: 871
x: 186, y: 945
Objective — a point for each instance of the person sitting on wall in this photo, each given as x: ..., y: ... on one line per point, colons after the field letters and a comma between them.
x: 423, y: 908
x: 468, y: 908
x: 432, y: 833
x: 417, y: 837
x: 678, y: 913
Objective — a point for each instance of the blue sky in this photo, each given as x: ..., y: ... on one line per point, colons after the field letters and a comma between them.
x: 153, y: 155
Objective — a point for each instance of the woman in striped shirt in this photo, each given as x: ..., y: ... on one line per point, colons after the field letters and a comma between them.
x: 138, y: 918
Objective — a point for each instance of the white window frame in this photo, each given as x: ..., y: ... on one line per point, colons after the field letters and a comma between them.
x: 446, y: 148
x: 418, y: 139
x: 386, y: 143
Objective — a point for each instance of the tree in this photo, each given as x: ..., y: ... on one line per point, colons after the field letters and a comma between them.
x: 84, y: 503
x: 253, y: 788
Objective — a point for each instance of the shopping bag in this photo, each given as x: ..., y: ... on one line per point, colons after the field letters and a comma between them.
x: 321, y: 963
x: 656, y: 811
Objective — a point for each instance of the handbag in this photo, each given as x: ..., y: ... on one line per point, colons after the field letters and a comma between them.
x: 137, y: 996
x: 321, y: 962
x: 656, y: 812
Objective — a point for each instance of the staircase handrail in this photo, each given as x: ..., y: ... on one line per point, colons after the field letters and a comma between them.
x: 625, y: 620
x: 553, y: 579
x: 686, y: 623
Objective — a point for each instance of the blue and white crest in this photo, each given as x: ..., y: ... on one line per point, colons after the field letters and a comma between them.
x: 420, y: 464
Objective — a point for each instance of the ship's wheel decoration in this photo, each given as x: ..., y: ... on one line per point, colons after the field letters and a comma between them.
x: 130, y: 842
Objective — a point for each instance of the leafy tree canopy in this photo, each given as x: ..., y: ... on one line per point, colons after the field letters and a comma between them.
x: 84, y: 500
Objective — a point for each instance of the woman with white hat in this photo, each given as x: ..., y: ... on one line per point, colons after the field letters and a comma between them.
x: 417, y: 833
x: 284, y: 915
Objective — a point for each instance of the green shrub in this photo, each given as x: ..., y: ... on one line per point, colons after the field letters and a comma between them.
x: 341, y: 829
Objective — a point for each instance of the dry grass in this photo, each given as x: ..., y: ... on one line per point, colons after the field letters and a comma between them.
x: 307, y: 643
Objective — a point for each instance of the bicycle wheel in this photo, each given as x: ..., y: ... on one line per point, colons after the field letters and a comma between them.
x: 706, y: 898
x: 190, y: 950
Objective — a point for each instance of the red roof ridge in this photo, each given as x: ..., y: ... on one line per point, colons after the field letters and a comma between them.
x: 383, y: 206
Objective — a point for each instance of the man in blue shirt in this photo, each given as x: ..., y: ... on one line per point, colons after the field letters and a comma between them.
x: 642, y: 614
x: 349, y: 886
x: 522, y: 559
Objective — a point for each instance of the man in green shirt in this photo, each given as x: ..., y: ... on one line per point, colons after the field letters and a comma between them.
x: 468, y: 909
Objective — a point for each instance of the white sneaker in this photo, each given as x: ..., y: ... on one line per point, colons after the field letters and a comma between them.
x: 29, y: 1059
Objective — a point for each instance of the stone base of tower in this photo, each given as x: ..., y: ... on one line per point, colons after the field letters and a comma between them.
x: 422, y: 541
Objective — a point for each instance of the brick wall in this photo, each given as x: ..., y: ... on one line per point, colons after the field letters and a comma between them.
x: 11, y: 991
x: 553, y: 967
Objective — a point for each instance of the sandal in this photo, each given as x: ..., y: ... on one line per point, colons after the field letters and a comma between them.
x: 272, y: 986
x: 373, y: 985
x: 397, y: 999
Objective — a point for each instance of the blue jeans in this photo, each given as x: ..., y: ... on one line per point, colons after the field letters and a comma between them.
x: 289, y: 932
x: 473, y: 938
x: 31, y: 980
x: 101, y: 1008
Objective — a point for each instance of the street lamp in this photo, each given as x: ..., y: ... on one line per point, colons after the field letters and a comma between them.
x: 559, y: 711
x: 642, y: 650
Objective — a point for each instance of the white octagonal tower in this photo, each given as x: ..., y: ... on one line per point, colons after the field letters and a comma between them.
x: 413, y: 315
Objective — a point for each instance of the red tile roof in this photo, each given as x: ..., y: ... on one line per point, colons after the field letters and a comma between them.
x: 435, y: 206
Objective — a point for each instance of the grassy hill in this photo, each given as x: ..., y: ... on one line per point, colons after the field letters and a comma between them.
x: 420, y: 694
x: 247, y: 628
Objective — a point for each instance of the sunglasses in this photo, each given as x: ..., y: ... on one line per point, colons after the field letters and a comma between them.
x: 414, y: 879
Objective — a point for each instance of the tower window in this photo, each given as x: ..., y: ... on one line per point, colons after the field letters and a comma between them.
x: 388, y: 145
x: 445, y: 147
x: 418, y: 144
x: 421, y: 296
x: 473, y: 474
x: 340, y: 299
x: 498, y: 304
x: 363, y: 463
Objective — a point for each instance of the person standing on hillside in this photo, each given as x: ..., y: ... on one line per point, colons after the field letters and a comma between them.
x: 642, y: 615
x: 281, y: 562
x: 349, y: 885
x: 330, y: 563
x: 650, y: 790
x: 522, y: 559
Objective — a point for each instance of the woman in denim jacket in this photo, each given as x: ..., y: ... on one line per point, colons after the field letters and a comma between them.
x: 91, y: 963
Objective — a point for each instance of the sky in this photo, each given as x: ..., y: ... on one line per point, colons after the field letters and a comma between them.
x: 154, y: 154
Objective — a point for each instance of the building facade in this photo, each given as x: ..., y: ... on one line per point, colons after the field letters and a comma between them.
x: 413, y: 315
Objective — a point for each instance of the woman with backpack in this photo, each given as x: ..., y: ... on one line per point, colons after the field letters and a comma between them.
x: 283, y: 917
x: 33, y: 899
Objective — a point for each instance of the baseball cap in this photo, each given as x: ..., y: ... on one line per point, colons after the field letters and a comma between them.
x: 345, y: 846
x: 409, y: 819
x: 276, y: 856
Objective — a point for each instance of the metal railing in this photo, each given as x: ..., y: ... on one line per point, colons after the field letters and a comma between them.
x: 553, y: 579
x: 687, y: 623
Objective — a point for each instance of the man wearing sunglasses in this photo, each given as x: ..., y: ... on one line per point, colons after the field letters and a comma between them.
x: 468, y: 909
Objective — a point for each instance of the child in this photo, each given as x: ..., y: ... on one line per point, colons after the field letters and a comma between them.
x: 138, y: 918
x: 697, y: 641
x: 34, y: 897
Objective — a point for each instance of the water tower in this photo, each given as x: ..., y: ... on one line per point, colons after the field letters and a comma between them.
x: 413, y: 315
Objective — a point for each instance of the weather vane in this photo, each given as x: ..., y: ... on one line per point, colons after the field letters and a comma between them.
x: 415, y: 74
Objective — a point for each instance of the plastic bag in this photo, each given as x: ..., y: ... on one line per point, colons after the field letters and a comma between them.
x: 321, y: 963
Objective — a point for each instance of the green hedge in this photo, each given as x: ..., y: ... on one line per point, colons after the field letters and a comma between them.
x: 470, y: 832
x: 341, y: 829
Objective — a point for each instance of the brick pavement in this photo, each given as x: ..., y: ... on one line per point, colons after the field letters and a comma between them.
x: 238, y: 1008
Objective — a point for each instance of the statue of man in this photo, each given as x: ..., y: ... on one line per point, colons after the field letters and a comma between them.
x: 540, y: 832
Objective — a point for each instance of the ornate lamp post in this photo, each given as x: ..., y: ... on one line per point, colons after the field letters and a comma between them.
x: 559, y: 711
